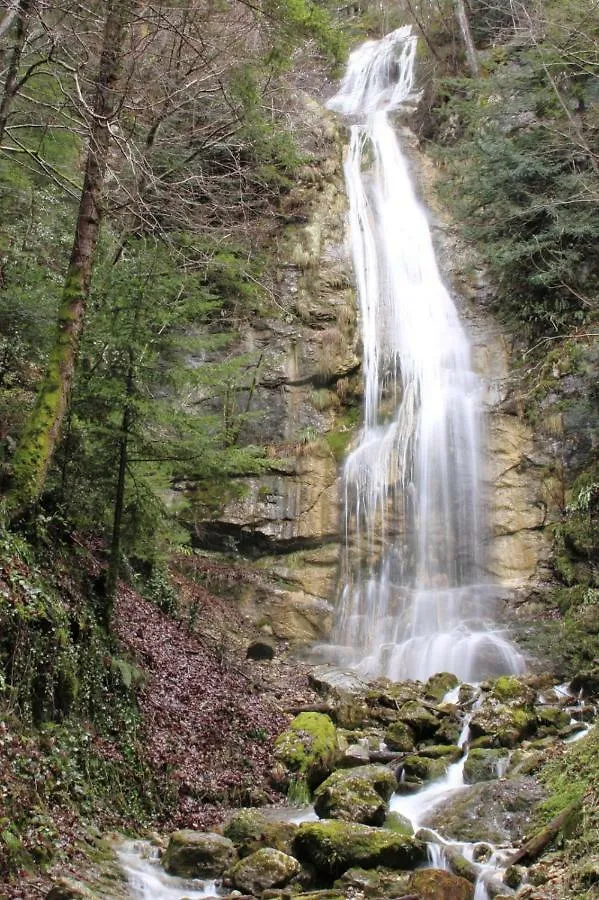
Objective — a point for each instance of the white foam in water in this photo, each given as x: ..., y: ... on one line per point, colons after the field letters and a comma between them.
x: 413, y: 602
x: 148, y: 880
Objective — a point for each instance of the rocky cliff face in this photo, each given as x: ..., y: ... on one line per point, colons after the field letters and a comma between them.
x: 306, y: 403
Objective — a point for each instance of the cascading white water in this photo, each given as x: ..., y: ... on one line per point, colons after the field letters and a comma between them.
x: 413, y: 603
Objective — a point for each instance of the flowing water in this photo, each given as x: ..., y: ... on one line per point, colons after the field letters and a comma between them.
x: 414, y: 602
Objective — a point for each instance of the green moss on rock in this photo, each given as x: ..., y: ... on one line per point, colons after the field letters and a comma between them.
x: 332, y: 847
x: 309, y: 747
x: 198, y: 854
x: 264, y: 869
x: 357, y: 795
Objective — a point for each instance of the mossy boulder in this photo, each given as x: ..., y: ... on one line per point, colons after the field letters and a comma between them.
x: 379, y: 882
x: 450, y: 752
x: 586, y: 681
x: 392, y: 694
x: 198, y: 854
x: 509, y: 689
x: 506, y: 725
x: 493, y: 811
x: 398, y: 823
x: 421, y: 721
x: 423, y: 768
x: 551, y: 719
x: 251, y: 829
x: 400, y: 736
x: 484, y: 765
x: 437, y: 884
x: 356, y: 795
x: 439, y: 685
x: 309, y: 747
x: 332, y: 847
x: 449, y: 730
x: 264, y: 869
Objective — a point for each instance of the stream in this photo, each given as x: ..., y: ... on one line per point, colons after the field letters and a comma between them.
x: 147, y: 880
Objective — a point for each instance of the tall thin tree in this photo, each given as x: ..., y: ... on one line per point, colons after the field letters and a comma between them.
x: 43, y: 429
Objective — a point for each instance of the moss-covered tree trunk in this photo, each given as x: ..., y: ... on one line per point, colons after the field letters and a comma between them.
x: 43, y: 428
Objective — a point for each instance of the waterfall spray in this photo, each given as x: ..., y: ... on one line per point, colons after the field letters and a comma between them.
x: 414, y: 600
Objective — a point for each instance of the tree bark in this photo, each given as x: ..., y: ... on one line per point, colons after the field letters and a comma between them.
x: 533, y: 848
x: 43, y: 429
x: 462, y: 17
x: 23, y: 14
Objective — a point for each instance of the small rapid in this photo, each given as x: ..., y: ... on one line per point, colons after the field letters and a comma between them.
x: 414, y: 601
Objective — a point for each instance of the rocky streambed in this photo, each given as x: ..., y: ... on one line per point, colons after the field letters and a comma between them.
x: 409, y: 790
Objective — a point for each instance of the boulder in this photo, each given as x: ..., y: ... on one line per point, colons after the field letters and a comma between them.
x: 421, y: 721
x: 551, y: 719
x: 251, y: 829
x: 437, y: 884
x: 509, y: 689
x: 398, y: 823
x: 69, y: 889
x: 393, y: 694
x: 423, y: 768
x: 309, y: 747
x: 332, y: 847
x: 198, y: 854
x: 400, y: 736
x: 494, y: 811
x: 379, y: 882
x: 440, y: 684
x: 586, y: 681
x: 505, y: 725
x: 264, y: 869
x: 450, y: 752
x: 484, y: 765
x: 356, y: 795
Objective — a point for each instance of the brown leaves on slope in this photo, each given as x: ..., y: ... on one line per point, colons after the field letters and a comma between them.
x: 208, y: 722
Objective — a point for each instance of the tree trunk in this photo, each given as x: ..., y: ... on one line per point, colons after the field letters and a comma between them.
x: 23, y: 15
x: 43, y: 428
x: 462, y: 17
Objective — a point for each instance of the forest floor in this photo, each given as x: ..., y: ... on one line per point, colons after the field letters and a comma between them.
x: 208, y: 721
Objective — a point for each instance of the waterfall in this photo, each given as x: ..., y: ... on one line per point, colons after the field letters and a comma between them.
x: 414, y: 601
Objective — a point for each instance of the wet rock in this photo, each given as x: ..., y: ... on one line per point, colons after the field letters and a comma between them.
x: 509, y: 689
x: 437, y: 884
x: 495, y: 811
x: 251, y: 829
x: 309, y: 747
x: 400, y: 736
x: 420, y: 720
x: 448, y: 731
x: 198, y: 854
x: 506, y: 725
x: 358, y: 795
x: 393, y: 694
x: 379, y: 882
x: 422, y: 768
x: 514, y: 876
x: 332, y: 847
x: 551, y: 719
x: 261, y: 650
x: 449, y: 752
x: 586, y: 681
x: 484, y: 765
x: 264, y: 869
x: 440, y: 684
x: 356, y: 755
x: 398, y: 823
